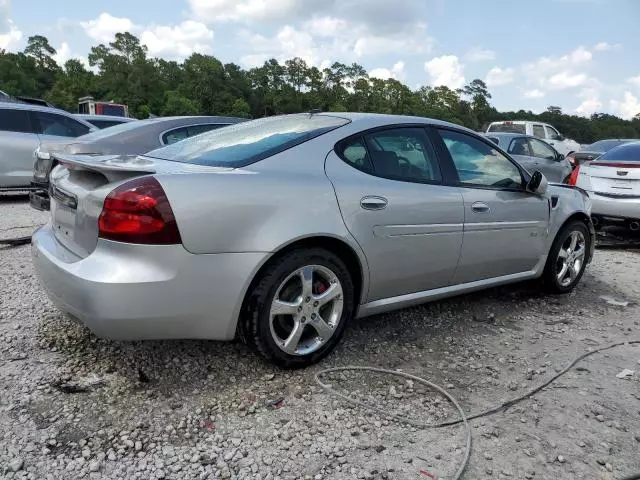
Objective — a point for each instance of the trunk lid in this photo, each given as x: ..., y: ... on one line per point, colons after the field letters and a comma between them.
x: 614, y: 180
x: 80, y: 184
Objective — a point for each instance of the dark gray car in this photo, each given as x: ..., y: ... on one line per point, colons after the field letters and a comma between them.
x: 131, y: 138
x: 534, y: 154
x: 594, y: 150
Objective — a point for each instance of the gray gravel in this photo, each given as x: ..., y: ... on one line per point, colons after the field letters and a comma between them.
x: 75, y: 406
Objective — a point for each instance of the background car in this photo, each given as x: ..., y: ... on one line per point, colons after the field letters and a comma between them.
x: 130, y: 138
x: 103, y: 121
x: 594, y: 150
x: 280, y: 230
x: 544, y: 131
x: 613, y: 183
x: 534, y: 154
x: 23, y: 128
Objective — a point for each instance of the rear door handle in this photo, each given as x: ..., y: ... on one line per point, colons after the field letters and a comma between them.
x: 373, y: 203
x: 480, y: 207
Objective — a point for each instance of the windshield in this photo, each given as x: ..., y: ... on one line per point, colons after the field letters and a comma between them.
x: 508, y: 127
x: 604, y: 145
x: 248, y: 142
x: 629, y: 152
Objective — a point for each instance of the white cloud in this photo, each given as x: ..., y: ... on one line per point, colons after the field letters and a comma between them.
x: 170, y: 41
x: 591, y: 102
x: 178, y: 41
x: 326, y: 26
x: 565, y: 79
x: 479, y: 54
x: 288, y: 43
x: 604, y: 46
x: 445, y: 70
x: 498, y: 76
x: 10, y: 35
x: 396, y: 72
x: 104, y: 28
x: 535, y: 93
x: 634, y: 80
x: 247, y: 10
x: 626, y: 108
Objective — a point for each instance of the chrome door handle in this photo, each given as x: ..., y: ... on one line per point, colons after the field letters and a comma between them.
x: 373, y: 203
x: 480, y: 207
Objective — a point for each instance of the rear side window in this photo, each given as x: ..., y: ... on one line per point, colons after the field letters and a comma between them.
x: 57, y: 125
x: 15, y: 121
x: 508, y: 127
x: 244, y: 143
x: 629, y: 152
x: 538, y: 131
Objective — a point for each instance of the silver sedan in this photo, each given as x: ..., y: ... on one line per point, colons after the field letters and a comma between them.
x: 281, y: 230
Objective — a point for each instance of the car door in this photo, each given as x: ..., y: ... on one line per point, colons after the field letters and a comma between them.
x: 394, y: 202
x: 18, y: 141
x: 548, y: 162
x: 505, y: 226
x: 554, y: 139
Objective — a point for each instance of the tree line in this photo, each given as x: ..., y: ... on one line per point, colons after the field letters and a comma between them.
x: 123, y: 72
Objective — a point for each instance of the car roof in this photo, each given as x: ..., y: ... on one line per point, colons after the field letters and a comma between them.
x: 508, y: 135
x: 86, y: 116
x: 372, y: 120
x: 39, y: 108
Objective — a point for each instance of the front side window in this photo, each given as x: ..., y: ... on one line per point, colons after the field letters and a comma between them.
x: 541, y: 150
x: 477, y: 163
x: 244, y: 143
x: 58, y: 125
x: 538, y: 131
x: 14, y: 121
x: 520, y: 146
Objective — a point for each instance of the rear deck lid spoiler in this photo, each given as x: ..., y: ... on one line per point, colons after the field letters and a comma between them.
x: 106, y: 163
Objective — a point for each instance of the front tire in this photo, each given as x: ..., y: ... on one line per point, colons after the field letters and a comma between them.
x: 298, y: 310
x: 567, y: 258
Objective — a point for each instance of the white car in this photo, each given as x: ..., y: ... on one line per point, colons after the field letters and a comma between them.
x: 613, y: 183
x: 543, y: 131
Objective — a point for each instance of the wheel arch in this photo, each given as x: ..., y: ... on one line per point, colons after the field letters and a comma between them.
x: 353, y: 259
x: 586, y: 219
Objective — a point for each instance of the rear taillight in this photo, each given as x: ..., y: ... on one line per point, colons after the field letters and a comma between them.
x: 573, y: 178
x: 138, y: 212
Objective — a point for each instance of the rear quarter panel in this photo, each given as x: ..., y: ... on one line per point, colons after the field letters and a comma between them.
x: 262, y: 207
x: 570, y: 201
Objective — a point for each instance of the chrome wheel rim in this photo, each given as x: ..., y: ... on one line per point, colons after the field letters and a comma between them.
x: 570, y: 258
x: 306, y: 310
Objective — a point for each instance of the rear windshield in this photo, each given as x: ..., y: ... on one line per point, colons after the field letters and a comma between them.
x: 629, y: 152
x: 495, y: 140
x: 248, y: 142
x: 604, y: 145
x: 508, y: 127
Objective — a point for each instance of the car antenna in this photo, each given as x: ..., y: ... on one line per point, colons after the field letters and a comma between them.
x: 314, y: 111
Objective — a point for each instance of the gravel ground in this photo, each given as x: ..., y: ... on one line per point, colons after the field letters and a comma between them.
x: 74, y: 406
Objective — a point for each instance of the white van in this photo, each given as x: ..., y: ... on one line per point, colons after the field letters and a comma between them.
x: 543, y: 131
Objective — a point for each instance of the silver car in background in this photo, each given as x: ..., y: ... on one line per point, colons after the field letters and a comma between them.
x: 281, y: 230
x: 23, y: 128
x: 534, y: 154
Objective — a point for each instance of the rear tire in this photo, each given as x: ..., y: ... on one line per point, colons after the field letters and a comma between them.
x: 567, y: 258
x: 299, y: 308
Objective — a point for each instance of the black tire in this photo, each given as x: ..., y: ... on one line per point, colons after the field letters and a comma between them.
x: 549, y: 277
x: 254, y: 326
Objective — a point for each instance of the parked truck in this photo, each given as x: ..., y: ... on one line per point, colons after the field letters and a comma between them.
x: 543, y: 131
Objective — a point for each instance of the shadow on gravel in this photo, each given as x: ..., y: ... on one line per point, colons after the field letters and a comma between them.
x: 8, y: 198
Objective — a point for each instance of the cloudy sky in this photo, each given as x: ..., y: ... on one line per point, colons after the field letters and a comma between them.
x: 579, y: 54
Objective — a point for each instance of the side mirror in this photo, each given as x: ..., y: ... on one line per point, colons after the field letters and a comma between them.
x: 538, y: 183
x: 560, y: 137
x: 559, y: 157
